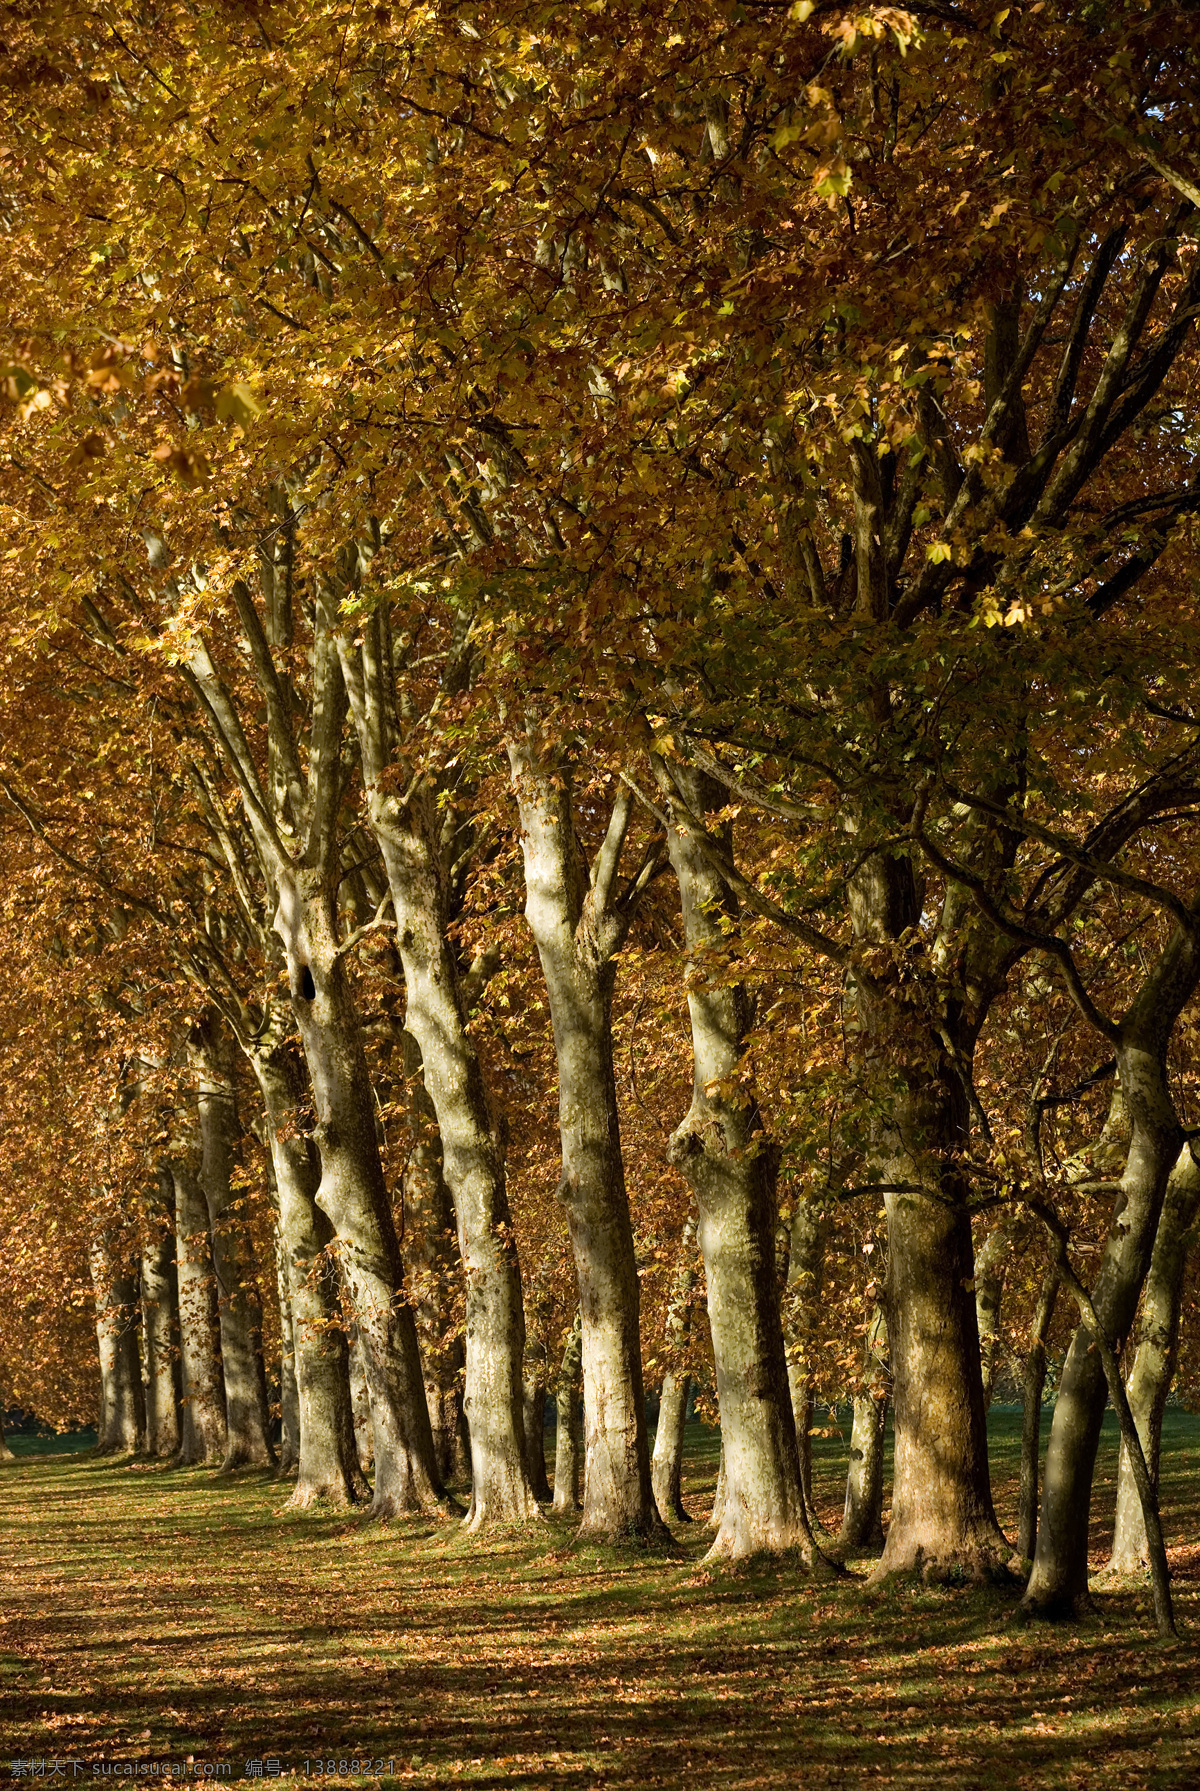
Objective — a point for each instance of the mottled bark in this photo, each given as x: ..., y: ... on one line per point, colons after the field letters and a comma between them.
x: 722, y: 1150
x: 202, y: 1431
x: 122, y: 1412
x: 1154, y: 1361
x: 578, y: 924
x: 239, y: 1303
x: 160, y: 1325
x: 327, y: 1469
x: 1033, y: 1386
x: 407, y: 828
x: 568, y: 1439
x: 666, y: 1462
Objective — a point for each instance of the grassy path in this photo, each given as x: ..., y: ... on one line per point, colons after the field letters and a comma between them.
x: 150, y: 1614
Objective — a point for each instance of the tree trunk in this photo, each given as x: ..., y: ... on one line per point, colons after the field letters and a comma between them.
x: 942, y: 1515
x: 942, y: 1518
x: 1058, y: 1585
x: 577, y: 930
x: 991, y: 1267
x: 805, y: 1274
x: 666, y: 1463
x: 448, y: 1421
x: 328, y: 1471
x: 567, y: 1439
x: 293, y: 817
x: 6, y: 1453
x: 360, y: 1395
x: 862, y: 1515
x: 202, y: 1432
x: 239, y: 1304
x: 122, y: 1411
x: 289, y: 1386
x: 1031, y: 1419
x: 472, y: 1157
x: 1160, y: 1572
x: 160, y: 1325
x: 716, y: 1516
x: 473, y: 1167
x: 1154, y: 1363
x: 721, y: 1149
x: 353, y: 1195
x: 435, y: 1270
x: 535, y: 1432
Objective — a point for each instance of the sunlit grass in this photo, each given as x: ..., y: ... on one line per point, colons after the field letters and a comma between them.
x: 152, y: 1613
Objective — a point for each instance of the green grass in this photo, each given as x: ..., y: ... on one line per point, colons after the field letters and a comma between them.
x: 151, y: 1614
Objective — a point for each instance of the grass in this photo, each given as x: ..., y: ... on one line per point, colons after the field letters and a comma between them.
x: 150, y: 1614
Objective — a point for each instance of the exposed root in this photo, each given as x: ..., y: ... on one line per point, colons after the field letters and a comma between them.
x: 480, y: 1516
x: 650, y: 1534
x: 1058, y: 1607
x: 990, y: 1563
x: 329, y: 1497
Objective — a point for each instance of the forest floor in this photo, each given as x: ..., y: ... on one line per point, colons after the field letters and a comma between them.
x: 158, y: 1615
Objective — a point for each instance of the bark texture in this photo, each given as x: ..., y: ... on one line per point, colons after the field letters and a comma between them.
x: 239, y: 1303
x: 578, y: 923
x: 717, y: 1514
x: 289, y: 1387
x: 327, y: 1468
x: 122, y: 1411
x: 666, y: 1463
x: 160, y: 1324
x: 722, y: 1150
x: 360, y: 1396
x: 568, y: 1437
x: 862, y: 1515
x: 535, y: 1432
x: 942, y: 1517
x: 202, y: 1431
x: 353, y: 1196
x: 435, y: 1268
